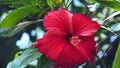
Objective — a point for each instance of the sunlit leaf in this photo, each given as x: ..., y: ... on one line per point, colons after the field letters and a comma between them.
x: 116, y: 63
x: 18, y: 14
x: 93, y: 7
x: 58, y: 1
x: 112, y: 15
x: 115, y: 27
x: 25, y: 58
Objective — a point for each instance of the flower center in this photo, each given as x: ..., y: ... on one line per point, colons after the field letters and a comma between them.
x: 74, y: 40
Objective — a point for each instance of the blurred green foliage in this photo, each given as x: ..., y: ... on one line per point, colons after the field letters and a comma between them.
x: 18, y: 16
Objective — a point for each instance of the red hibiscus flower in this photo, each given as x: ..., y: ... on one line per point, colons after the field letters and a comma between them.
x: 69, y: 39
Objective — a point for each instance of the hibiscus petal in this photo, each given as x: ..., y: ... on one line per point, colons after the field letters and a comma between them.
x: 89, y: 43
x: 51, y: 44
x: 58, y: 20
x: 69, y: 56
x: 83, y: 25
x: 87, y: 47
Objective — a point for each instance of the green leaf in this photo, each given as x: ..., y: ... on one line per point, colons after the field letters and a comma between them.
x: 24, y: 2
x: 30, y: 66
x: 50, y: 3
x: 18, y: 14
x: 15, y: 29
x: 42, y: 61
x: 93, y: 7
x: 115, y: 5
x: 25, y: 58
x: 116, y: 63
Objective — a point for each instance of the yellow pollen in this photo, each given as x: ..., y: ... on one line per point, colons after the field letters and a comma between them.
x: 74, y: 40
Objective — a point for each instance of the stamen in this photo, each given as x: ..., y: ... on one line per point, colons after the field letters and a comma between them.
x: 74, y: 40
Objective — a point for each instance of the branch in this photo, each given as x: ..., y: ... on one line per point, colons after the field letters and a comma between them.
x: 108, y: 29
x: 101, y: 62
